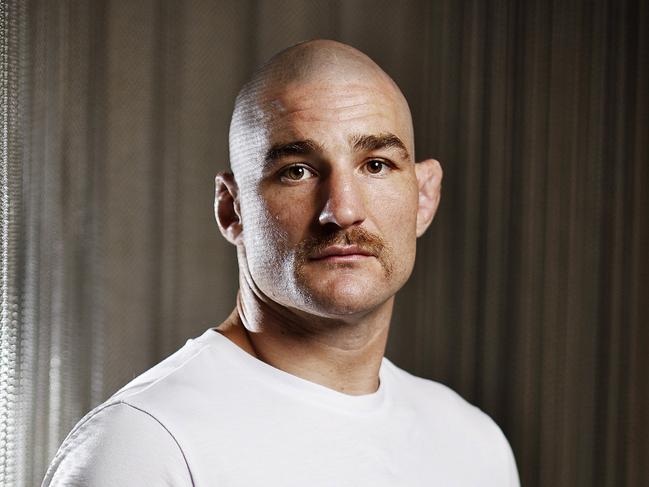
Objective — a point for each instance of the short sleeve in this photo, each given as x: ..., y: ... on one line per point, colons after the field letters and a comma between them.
x: 514, y: 480
x: 510, y: 465
x: 119, y: 445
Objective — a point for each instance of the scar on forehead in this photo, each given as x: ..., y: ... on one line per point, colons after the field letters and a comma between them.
x: 359, y: 142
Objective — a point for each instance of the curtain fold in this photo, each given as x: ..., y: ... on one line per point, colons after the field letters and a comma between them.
x: 14, y: 337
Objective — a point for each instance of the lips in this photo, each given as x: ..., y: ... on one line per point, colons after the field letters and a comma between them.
x: 345, y: 252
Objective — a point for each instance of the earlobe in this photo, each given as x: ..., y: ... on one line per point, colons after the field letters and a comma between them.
x: 429, y: 181
x: 226, y: 207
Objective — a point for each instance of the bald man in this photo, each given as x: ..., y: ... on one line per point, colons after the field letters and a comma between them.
x: 324, y: 203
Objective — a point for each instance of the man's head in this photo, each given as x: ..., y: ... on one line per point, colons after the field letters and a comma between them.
x: 325, y: 200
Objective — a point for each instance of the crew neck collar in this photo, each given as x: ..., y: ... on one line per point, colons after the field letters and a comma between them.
x: 297, y: 386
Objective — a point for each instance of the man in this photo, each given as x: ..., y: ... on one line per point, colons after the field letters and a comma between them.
x: 324, y: 204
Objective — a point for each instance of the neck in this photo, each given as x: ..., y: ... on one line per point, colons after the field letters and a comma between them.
x: 342, y: 353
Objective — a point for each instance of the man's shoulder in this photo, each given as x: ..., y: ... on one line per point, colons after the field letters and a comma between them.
x: 181, y: 364
x: 437, y: 402
x: 457, y: 423
x: 136, y: 422
x: 167, y: 392
x: 117, y: 433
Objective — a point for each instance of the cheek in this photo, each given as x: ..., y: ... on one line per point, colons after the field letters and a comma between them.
x: 396, y: 216
x: 274, y: 223
x: 397, y: 210
x: 287, y: 215
x: 258, y: 231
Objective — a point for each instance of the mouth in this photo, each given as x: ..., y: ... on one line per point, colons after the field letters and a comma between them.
x: 342, y: 253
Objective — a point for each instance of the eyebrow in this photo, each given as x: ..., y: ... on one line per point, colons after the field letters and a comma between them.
x: 369, y: 143
x: 360, y: 143
x: 297, y: 147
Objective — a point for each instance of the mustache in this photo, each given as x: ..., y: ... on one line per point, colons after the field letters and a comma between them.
x: 365, y: 240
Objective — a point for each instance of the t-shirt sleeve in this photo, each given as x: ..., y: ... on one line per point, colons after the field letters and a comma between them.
x: 514, y: 480
x: 500, y: 454
x: 119, y: 445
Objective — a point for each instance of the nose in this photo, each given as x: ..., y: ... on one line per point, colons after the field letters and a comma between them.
x: 344, y: 205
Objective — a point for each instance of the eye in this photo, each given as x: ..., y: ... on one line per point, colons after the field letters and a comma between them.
x: 376, y: 166
x: 296, y: 172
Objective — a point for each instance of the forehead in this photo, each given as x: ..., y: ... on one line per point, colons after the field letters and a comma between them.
x: 328, y: 109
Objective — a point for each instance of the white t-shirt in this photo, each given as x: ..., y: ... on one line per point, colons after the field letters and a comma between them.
x: 211, y: 415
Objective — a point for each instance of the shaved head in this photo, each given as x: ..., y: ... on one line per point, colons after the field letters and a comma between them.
x: 322, y: 159
x: 318, y: 64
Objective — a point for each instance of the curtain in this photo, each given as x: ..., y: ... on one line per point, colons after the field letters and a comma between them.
x: 13, y: 337
x: 531, y: 288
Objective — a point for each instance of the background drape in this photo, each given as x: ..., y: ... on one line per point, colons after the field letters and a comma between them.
x: 530, y: 293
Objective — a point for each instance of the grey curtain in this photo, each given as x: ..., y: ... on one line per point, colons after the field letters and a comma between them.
x: 530, y: 294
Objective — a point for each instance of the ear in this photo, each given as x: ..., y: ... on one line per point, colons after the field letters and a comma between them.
x: 429, y: 181
x: 226, y: 207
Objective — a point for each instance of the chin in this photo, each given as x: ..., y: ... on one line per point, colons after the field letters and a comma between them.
x: 333, y: 308
x: 345, y: 298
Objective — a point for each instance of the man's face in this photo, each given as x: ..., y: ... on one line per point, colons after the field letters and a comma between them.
x: 329, y: 208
